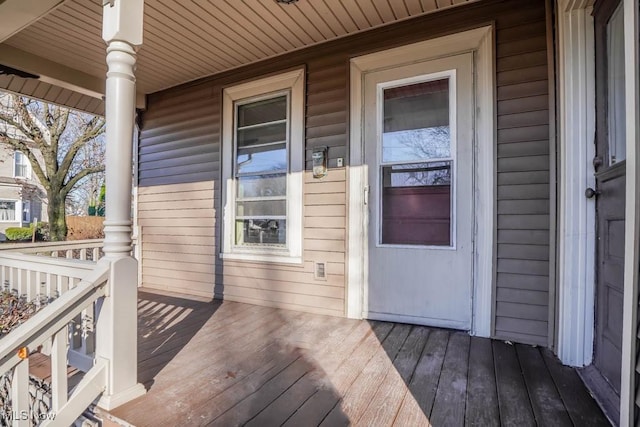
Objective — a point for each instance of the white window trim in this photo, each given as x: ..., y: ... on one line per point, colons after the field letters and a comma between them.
x: 15, y: 159
x: 17, y: 214
x: 292, y: 81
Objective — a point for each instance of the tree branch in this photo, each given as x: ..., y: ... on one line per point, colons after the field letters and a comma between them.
x: 68, y: 186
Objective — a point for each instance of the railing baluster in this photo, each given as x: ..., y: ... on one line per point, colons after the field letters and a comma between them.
x: 20, y: 395
x: 83, y: 254
x: 69, y: 253
x: 59, y: 370
x: 96, y: 254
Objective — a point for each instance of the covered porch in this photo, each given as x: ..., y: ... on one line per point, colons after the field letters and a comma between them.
x: 203, y: 362
x: 228, y: 363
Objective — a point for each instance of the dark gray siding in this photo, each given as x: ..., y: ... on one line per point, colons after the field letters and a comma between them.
x: 522, y: 285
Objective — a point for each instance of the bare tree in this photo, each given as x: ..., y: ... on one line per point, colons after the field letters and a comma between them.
x: 51, y: 137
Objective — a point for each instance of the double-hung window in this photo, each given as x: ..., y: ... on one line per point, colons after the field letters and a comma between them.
x: 22, y: 168
x: 262, y: 169
x: 7, y: 210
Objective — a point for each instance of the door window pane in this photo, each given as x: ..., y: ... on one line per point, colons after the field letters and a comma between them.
x: 416, y: 204
x: 416, y: 122
x: 615, y: 86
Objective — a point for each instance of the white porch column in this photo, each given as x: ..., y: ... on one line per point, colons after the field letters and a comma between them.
x: 576, y: 219
x: 632, y: 212
x: 117, y: 321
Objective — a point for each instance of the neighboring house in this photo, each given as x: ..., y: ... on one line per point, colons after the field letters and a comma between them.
x: 381, y: 159
x: 22, y: 198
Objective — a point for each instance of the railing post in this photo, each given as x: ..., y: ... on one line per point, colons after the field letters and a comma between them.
x: 116, y: 332
x: 20, y: 395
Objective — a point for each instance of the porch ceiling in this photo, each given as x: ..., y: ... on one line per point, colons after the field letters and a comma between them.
x: 184, y: 41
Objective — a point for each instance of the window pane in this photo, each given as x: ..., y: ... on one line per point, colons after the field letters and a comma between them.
x: 416, y: 204
x: 261, y: 232
x: 265, y: 111
x: 615, y: 59
x: 262, y: 134
x: 7, y: 211
x: 416, y: 122
x: 261, y: 208
x: 26, y: 211
x: 262, y: 186
x: 268, y: 159
x: 21, y: 165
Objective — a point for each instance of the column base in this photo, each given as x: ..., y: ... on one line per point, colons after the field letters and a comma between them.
x: 112, y: 401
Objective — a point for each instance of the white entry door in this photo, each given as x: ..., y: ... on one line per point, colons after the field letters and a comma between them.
x: 418, y: 146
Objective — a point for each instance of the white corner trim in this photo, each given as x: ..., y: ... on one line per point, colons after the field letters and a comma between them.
x: 576, y: 218
x: 480, y: 41
x: 295, y: 82
x: 484, y: 187
x: 628, y: 384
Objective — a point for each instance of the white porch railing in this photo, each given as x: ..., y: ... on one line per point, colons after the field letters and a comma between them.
x: 72, y: 249
x: 51, y: 323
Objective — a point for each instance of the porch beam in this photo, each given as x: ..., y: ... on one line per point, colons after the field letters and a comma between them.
x: 58, y: 74
x: 16, y: 15
x: 117, y: 319
x: 632, y: 213
x: 576, y: 217
x: 52, y: 72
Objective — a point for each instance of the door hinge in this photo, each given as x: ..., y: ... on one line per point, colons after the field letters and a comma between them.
x: 366, y: 195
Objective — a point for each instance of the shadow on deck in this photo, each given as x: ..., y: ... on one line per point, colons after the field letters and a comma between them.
x: 226, y: 363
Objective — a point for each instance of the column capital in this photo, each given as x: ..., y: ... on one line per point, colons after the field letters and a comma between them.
x: 122, y: 21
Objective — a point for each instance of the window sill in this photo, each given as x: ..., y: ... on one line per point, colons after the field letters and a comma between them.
x: 262, y: 257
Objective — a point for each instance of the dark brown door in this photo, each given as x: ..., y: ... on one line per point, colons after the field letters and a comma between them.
x: 610, y: 181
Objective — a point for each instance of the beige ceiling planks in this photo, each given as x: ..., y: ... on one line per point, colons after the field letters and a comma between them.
x: 329, y: 17
x: 414, y: 7
x: 371, y: 12
x: 281, y: 22
x: 354, y: 9
x: 429, y: 5
x: 240, y: 27
x: 318, y: 19
x: 342, y: 15
x: 218, y: 39
x: 186, y: 40
x: 303, y: 22
x: 400, y: 10
x: 251, y: 14
x: 170, y: 40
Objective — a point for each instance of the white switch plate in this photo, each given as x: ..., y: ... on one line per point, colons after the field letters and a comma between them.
x: 340, y: 162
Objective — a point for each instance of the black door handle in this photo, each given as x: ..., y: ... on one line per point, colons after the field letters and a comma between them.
x: 590, y: 193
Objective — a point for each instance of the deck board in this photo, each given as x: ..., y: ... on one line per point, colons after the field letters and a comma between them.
x: 449, y: 405
x: 482, y: 394
x: 545, y: 399
x: 226, y: 363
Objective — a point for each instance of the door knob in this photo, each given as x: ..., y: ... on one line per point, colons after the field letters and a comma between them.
x: 590, y: 193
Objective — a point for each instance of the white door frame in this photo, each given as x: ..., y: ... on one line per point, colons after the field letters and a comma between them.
x: 479, y: 41
x: 576, y: 213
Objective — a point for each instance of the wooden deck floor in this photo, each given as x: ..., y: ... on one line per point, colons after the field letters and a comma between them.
x: 226, y: 363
